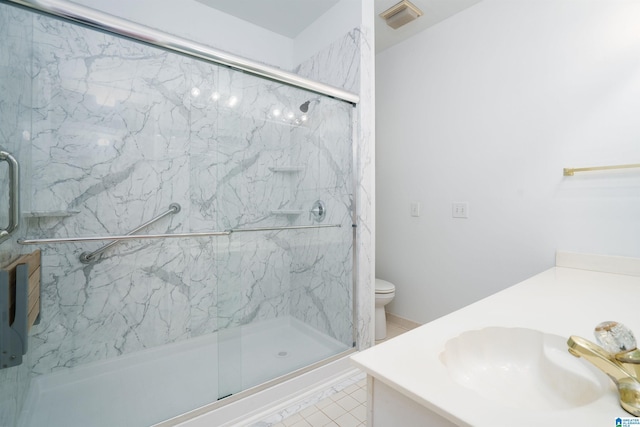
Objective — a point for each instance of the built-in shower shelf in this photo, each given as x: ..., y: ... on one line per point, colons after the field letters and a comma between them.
x: 287, y: 169
x: 288, y: 212
x: 49, y: 214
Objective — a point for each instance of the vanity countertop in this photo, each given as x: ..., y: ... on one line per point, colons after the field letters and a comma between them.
x: 569, y: 299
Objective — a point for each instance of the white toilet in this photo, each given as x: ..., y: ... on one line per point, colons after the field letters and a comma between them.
x: 385, y: 292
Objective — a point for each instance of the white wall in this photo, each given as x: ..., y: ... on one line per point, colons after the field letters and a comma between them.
x: 333, y: 24
x: 195, y: 21
x: 487, y: 107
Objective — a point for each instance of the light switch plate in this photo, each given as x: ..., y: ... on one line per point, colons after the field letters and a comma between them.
x: 460, y: 210
x: 415, y: 209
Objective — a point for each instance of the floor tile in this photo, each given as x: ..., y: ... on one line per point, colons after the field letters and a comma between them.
x: 360, y: 395
x: 306, y: 412
x: 347, y: 420
x: 348, y: 403
x: 334, y: 411
x: 324, y: 403
x: 351, y: 388
x: 319, y: 419
x: 290, y: 421
x: 338, y: 396
x: 360, y: 412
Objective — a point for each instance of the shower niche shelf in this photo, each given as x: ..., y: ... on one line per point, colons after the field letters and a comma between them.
x: 287, y: 169
x: 49, y: 214
x: 287, y: 212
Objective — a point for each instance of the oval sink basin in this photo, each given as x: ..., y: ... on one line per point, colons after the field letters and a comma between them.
x: 523, y: 368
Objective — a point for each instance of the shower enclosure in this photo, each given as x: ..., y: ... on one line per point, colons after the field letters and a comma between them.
x: 196, y: 224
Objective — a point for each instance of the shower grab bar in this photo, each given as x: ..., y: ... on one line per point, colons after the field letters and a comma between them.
x: 105, y: 22
x: 14, y: 195
x: 88, y: 257
x: 172, y: 235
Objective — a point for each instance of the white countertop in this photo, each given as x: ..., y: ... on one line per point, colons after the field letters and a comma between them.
x: 563, y: 301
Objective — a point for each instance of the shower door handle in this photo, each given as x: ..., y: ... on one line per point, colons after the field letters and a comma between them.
x: 14, y: 195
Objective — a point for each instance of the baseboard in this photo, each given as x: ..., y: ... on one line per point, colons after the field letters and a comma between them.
x: 402, y: 322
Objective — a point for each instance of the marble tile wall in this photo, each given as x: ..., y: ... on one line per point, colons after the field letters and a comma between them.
x: 110, y: 147
x: 364, y: 141
x: 321, y: 273
x: 15, y: 132
x: 123, y: 130
x: 355, y: 53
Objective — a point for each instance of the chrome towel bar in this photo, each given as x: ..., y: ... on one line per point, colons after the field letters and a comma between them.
x: 14, y: 195
x: 88, y: 257
x: 170, y: 236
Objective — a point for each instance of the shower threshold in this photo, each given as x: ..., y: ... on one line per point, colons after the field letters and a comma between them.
x: 150, y: 386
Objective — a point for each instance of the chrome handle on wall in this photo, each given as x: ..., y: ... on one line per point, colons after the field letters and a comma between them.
x: 14, y: 195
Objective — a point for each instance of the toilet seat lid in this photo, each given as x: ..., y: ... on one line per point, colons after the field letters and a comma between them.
x: 384, y: 287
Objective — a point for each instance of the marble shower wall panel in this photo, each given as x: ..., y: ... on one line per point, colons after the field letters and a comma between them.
x: 253, y: 278
x: 15, y: 114
x: 321, y: 275
x: 322, y: 287
x: 110, y: 114
x: 15, y: 134
x: 111, y: 146
x: 121, y: 131
x: 364, y: 143
x: 203, y: 95
x: 337, y: 65
x: 113, y: 307
x: 252, y: 139
x: 349, y: 63
x: 322, y: 282
x: 203, y: 293
x: 255, y: 127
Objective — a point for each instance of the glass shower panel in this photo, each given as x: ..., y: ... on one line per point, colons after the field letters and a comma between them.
x: 113, y: 148
x: 284, y: 296
x: 111, y: 133
x: 15, y: 137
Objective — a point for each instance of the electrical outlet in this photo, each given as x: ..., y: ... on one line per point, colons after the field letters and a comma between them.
x: 460, y: 210
x: 415, y: 209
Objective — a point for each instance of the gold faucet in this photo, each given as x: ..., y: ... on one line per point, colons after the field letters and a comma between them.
x: 619, y: 359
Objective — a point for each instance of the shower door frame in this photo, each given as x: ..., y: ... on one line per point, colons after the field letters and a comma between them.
x: 103, y: 22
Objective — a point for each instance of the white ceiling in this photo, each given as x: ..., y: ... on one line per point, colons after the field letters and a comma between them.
x: 434, y: 12
x: 290, y: 17
x: 285, y: 17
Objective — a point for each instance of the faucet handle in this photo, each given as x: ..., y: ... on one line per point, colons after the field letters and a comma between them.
x: 614, y: 337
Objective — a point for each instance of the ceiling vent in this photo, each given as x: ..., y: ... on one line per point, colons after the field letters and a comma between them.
x: 400, y: 14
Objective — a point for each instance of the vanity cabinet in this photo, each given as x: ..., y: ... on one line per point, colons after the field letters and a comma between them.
x: 410, y: 383
x: 387, y: 407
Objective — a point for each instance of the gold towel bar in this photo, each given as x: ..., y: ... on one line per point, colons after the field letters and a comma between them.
x: 571, y: 171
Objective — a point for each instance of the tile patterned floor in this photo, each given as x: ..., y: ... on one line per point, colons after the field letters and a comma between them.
x: 346, y: 408
x: 345, y: 405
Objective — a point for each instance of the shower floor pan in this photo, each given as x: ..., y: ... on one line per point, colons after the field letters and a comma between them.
x: 150, y: 386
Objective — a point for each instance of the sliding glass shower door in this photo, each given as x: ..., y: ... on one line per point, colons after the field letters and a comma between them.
x: 247, y: 185
x: 285, y: 293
